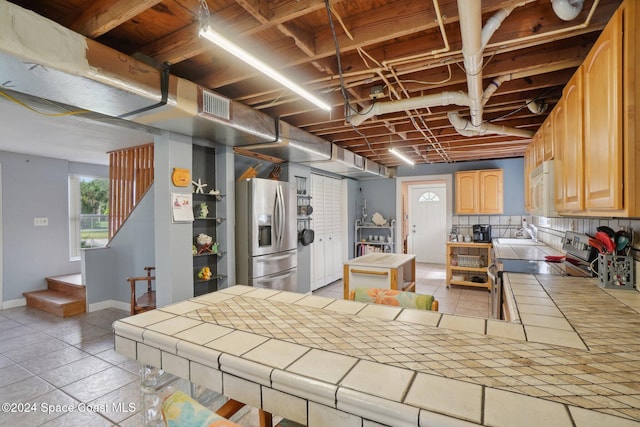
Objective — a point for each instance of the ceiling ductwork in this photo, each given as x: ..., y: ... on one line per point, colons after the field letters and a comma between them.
x: 59, y: 65
x: 341, y: 161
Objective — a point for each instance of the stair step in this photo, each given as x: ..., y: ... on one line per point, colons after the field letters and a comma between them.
x: 55, y: 302
x: 70, y: 284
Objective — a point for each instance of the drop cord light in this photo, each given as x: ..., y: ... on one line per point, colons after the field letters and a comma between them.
x: 251, y: 60
x: 401, y: 156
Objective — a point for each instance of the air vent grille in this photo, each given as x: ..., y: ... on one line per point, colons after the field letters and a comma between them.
x: 215, y: 105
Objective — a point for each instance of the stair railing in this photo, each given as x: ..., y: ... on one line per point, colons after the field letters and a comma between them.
x: 130, y: 176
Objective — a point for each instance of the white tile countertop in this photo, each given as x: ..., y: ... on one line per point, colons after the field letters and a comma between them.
x: 522, y: 249
x: 325, y: 362
x: 384, y: 260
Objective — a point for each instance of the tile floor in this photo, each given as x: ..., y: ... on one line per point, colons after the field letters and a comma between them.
x: 47, y: 362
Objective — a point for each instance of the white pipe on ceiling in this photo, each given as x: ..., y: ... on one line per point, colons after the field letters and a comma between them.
x: 470, y: 30
x: 466, y: 128
x: 434, y: 100
x: 567, y: 10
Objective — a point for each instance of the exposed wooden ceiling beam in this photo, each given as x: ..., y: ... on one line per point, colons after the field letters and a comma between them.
x: 102, y: 16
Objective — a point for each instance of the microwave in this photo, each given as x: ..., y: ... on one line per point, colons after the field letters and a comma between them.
x: 541, y: 181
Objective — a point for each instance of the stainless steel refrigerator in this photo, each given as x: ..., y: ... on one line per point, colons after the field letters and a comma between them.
x: 266, y: 234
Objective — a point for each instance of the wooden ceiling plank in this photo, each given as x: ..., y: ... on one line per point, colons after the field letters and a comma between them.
x: 101, y: 16
x: 303, y: 39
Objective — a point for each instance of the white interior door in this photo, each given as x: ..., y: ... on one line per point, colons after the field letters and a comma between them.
x: 327, y: 251
x: 428, y: 222
x: 318, y: 248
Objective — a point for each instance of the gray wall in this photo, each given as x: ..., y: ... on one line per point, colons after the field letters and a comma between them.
x: 173, y: 256
x: 34, y: 187
x: 130, y: 250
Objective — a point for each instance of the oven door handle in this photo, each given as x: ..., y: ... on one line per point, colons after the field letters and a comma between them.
x: 491, y: 275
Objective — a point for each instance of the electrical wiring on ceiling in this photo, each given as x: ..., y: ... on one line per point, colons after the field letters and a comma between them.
x: 343, y: 89
x: 22, y: 104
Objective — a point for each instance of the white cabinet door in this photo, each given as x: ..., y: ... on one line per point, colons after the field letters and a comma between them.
x: 327, y: 252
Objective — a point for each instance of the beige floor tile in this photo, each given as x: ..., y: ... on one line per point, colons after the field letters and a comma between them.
x: 26, y: 389
x: 75, y: 371
x: 97, y: 385
x: 55, y: 359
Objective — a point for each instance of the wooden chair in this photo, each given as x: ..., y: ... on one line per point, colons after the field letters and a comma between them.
x: 395, y: 298
x: 147, y: 300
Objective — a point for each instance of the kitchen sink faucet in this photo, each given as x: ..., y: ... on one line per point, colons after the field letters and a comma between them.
x: 530, y: 229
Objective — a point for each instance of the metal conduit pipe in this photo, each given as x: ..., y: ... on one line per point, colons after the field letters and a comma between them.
x: 435, y: 100
x: 466, y: 128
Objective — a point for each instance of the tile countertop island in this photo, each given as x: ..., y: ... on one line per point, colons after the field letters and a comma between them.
x: 326, y: 362
x: 380, y: 270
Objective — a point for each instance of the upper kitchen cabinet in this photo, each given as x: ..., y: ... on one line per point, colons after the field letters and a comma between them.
x: 528, y: 160
x: 569, y: 149
x: 548, y: 140
x: 479, y: 192
x: 538, y: 147
x: 611, y: 147
x: 603, y: 119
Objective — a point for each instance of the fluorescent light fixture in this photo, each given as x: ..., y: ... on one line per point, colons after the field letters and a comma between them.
x: 248, y: 58
x: 401, y: 156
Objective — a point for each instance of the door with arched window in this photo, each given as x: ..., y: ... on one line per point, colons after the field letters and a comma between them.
x: 427, y: 222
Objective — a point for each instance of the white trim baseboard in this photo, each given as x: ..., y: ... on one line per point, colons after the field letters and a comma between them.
x: 14, y: 303
x: 102, y: 305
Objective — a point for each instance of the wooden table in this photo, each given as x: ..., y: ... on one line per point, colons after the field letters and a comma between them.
x: 380, y: 270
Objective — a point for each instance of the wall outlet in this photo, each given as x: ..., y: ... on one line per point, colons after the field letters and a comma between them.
x: 40, y: 222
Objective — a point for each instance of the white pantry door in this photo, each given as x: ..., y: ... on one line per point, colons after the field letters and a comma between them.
x: 328, y: 219
x: 428, y: 222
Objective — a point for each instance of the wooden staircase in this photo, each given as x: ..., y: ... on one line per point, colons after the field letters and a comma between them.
x: 65, y: 296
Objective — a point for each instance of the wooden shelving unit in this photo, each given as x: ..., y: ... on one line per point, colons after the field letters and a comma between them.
x: 468, y: 260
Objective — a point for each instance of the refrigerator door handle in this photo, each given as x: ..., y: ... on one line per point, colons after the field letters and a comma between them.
x: 273, y: 278
x: 280, y: 216
x: 276, y: 217
x: 274, y: 258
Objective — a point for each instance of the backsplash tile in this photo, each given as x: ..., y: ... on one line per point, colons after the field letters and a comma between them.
x: 550, y: 230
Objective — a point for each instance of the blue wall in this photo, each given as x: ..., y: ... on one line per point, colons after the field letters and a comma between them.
x: 381, y: 193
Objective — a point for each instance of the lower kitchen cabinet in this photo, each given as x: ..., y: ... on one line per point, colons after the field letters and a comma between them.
x: 467, y: 264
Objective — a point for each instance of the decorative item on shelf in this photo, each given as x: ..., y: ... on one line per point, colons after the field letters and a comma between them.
x: 204, y: 210
x: 194, y: 250
x: 204, y: 242
x: 251, y: 172
x: 180, y: 177
x: 216, y: 193
x: 214, y: 249
x: 204, y: 273
x: 275, y: 173
x: 378, y: 219
x: 198, y: 186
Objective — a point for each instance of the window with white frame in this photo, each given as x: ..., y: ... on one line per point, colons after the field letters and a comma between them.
x: 88, y: 213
